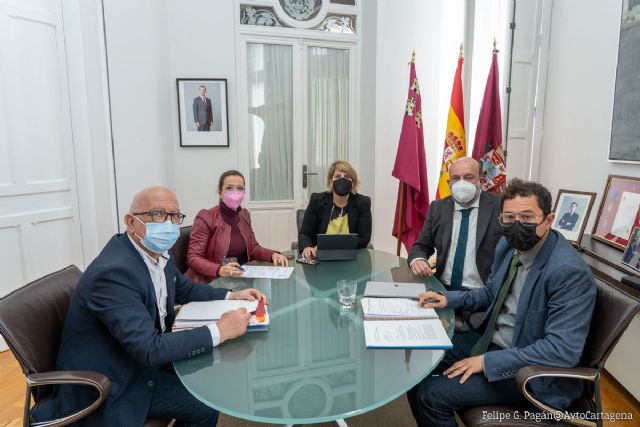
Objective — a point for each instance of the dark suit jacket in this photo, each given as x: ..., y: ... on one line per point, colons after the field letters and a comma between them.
x: 316, y: 218
x: 552, y: 319
x: 436, y: 233
x: 568, y: 221
x: 113, y: 327
x: 202, y: 113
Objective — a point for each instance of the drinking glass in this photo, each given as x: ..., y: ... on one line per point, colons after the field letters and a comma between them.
x: 347, y: 292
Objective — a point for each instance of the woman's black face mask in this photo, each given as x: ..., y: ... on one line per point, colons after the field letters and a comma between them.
x: 342, y: 186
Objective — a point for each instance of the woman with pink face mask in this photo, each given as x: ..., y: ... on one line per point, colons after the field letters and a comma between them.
x: 224, y: 232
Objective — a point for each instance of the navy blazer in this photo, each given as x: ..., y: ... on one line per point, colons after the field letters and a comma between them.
x: 436, y: 233
x: 552, y: 318
x: 113, y: 327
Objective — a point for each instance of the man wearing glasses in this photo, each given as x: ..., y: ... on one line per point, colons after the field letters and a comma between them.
x: 538, y: 300
x: 120, y: 318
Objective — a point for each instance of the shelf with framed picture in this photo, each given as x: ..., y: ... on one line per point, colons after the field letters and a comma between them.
x: 619, y: 211
x: 616, y: 229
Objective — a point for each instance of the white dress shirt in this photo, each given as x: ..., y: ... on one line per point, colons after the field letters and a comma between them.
x: 470, y: 276
x: 156, y: 270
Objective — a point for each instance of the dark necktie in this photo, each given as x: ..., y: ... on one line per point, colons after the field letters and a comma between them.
x: 483, y: 343
x: 461, y: 250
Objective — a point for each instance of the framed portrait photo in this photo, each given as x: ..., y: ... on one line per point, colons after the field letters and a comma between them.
x: 618, y: 212
x: 625, y: 129
x: 572, y: 211
x: 631, y: 255
x: 203, y: 112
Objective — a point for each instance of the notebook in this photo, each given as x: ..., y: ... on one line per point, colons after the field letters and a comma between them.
x: 202, y: 313
x: 401, y: 323
x: 394, y: 290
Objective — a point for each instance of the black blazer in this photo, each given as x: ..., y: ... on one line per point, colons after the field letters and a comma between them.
x: 436, y: 233
x: 316, y: 219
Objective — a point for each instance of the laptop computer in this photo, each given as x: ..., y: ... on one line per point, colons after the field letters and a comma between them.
x: 394, y: 290
x: 337, y: 247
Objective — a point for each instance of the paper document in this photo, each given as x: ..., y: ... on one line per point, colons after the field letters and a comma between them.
x: 266, y: 272
x: 428, y: 334
x: 203, y: 313
x: 395, y: 308
x: 626, y: 215
x: 213, y: 310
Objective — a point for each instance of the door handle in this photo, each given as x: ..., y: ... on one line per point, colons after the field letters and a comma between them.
x: 305, y: 173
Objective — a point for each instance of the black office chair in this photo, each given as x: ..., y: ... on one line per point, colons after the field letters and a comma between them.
x: 181, y: 248
x: 31, y: 322
x: 299, y: 219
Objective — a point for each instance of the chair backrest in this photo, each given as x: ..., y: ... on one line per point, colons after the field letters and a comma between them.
x: 181, y: 248
x: 32, y: 319
x: 300, y: 217
x: 612, y: 314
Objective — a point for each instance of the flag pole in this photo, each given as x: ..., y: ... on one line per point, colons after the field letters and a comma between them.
x: 403, y: 207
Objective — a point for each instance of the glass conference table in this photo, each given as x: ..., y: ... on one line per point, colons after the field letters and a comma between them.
x: 312, y: 365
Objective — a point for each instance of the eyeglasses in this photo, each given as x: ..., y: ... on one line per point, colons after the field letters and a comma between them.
x: 161, y: 216
x: 239, y: 188
x: 340, y: 177
x: 525, y: 218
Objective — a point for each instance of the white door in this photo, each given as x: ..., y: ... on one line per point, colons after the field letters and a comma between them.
x: 528, y: 87
x: 296, y: 113
x: 39, y: 224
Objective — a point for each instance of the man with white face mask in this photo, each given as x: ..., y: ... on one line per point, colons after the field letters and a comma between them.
x: 462, y: 228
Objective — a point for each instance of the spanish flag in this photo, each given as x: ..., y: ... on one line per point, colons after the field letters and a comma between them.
x: 455, y: 141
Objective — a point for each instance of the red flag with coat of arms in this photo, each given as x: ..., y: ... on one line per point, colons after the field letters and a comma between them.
x: 411, y: 168
x: 487, y: 147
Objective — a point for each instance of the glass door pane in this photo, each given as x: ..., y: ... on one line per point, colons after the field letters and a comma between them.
x: 270, y: 108
x: 328, y: 119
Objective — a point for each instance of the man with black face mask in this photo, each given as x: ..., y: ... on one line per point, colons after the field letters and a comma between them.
x: 538, y: 301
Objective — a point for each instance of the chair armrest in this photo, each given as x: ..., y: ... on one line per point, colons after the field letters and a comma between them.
x: 89, y: 378
x: 524, y: 375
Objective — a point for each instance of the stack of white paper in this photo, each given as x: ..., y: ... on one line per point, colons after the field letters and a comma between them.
x: 402, y: 323
x: 202, y: 313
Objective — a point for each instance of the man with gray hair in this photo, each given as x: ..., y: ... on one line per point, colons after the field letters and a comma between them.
x: 119, y: 324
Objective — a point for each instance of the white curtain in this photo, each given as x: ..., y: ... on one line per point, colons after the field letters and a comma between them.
x: 328, y: 94
x: 270, y: 93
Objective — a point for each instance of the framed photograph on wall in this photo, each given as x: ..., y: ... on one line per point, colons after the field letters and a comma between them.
x: 618, y: 212
x: 203, y: 112
x: 631, y: 255
x: 572, y: 211
x: 625, y: 129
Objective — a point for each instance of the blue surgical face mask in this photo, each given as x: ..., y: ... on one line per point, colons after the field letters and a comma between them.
x: 160, y: 236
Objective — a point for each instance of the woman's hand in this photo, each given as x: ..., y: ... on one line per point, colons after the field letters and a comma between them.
x: 230, y: 270
x: 279, y: 259
x: 249, y: 295
x: 310, y: 252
